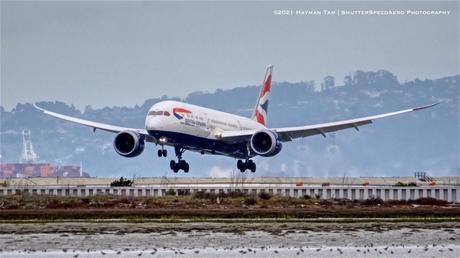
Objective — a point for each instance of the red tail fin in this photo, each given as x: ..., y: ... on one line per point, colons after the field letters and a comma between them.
x: 261, y: 108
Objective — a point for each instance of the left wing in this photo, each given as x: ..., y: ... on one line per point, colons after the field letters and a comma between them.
x: 289, y: 133
x: 96, y: 125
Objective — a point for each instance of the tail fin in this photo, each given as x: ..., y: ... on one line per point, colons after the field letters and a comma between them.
x: 261, y: 108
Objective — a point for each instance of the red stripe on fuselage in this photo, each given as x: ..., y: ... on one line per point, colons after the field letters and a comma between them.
x: 181, y: 110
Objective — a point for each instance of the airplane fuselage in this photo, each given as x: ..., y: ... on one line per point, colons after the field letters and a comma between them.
x: 208, y: 131
x: 197, y: 128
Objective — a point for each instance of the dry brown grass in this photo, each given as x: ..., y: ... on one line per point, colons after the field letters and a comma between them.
x: 199, y: 200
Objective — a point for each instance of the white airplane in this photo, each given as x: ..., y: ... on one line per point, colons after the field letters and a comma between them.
x: 208, y: 131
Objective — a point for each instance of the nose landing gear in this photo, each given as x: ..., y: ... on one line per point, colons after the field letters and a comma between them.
x: 162, y: 152
x: 244, y: 165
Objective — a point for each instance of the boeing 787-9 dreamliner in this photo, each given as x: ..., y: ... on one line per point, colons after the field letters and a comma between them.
x: 207, y: 131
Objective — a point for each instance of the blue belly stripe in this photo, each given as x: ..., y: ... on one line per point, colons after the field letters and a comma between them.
x: 200, y: 143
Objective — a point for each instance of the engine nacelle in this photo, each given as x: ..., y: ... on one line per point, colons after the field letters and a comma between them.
x: 266, y: 143
x: 128, y: 144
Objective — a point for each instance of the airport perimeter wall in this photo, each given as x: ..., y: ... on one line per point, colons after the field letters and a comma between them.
x: 448, y: 193
x: 234, y: 179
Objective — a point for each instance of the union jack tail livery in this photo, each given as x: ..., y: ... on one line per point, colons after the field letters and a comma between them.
x: 261, y: 108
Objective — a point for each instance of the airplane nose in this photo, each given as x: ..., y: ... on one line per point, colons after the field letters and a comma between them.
x: 152, y: 123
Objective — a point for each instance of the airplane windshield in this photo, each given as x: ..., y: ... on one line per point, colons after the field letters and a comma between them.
x: 158, y: 113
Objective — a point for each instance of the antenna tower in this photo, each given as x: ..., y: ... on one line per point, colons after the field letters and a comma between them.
x: 28, y: 154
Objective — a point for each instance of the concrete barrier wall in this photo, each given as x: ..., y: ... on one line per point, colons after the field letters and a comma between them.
x: 313, y: 181
x: 447, y: 193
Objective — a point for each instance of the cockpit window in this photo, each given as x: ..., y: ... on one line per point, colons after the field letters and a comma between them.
x: 158, y: 113
x: 155, y: 113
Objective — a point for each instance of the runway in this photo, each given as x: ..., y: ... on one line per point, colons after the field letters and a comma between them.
x: 217, y: 239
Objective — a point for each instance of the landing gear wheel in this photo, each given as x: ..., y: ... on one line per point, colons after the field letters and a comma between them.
x: 186, y: 167
x: 239, y: 165
x: 181, y: 164
x: 162, y: 152
x: 252, y: 166
x: 244, y: 165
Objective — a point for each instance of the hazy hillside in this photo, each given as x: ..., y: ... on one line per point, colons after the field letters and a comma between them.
x: 422, y: 141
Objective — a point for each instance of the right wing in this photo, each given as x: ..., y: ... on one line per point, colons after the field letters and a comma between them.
x: 289, y: 133
x: 96, y: 125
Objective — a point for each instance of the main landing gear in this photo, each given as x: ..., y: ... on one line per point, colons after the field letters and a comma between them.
x: 248, y: 164
x: 180, y: 164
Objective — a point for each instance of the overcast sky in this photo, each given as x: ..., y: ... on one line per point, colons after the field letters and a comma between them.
x: 121, y: 53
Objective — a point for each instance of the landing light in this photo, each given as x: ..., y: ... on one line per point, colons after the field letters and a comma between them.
x: 162, y: 140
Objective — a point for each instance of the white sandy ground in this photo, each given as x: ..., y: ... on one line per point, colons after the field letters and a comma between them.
x: 405, y: 242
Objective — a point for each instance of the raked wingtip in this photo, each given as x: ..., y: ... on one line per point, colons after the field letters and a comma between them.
x: 37, y: 107
x: 427, y: 106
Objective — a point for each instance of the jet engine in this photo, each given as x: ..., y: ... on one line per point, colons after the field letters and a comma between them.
x: 265, y: 143
x: 128, y: 144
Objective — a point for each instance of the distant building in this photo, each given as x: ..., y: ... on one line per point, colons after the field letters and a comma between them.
x: 29, y: 168
x: 328, y: 83
x: 9, y: 170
